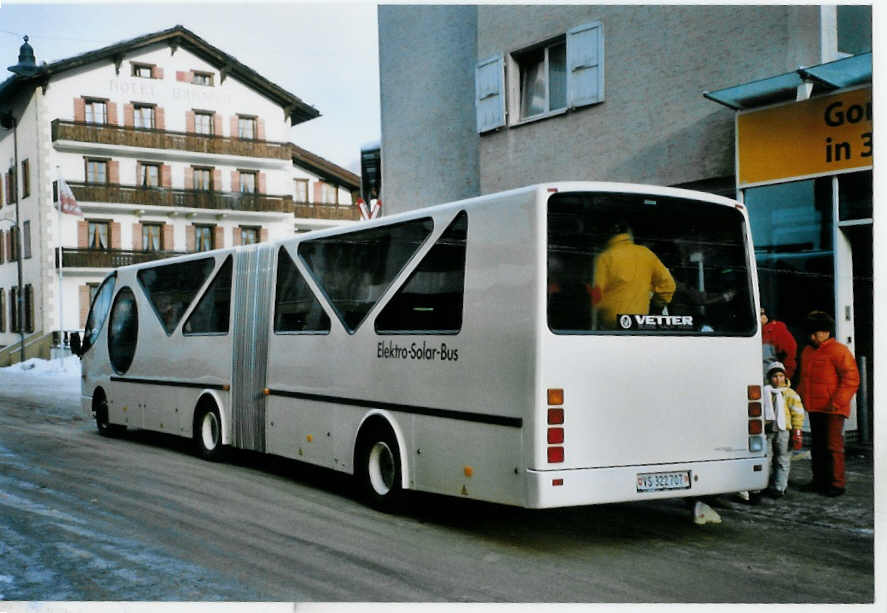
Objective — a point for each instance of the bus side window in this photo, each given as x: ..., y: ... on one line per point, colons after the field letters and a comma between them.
x: 123, y: 330
x: 170, y: 288
x: 430, y: 301
x: 213, y: 313
x: 354, y: 269
x: 296, y: 308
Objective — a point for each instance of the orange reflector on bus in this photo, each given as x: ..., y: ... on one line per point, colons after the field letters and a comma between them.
x: 266, y: 391
x: 755, y: 426
x: 555, y: 436
x: 226, y: 387
x: 468, y: 471
x: 555, y: 455
x: 555, y: 396
x: 754, y: 409
x: 754, y: 392
x: 555, y: 416
x: 557, y: 481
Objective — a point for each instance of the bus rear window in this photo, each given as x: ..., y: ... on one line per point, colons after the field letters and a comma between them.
x: 639, y: 264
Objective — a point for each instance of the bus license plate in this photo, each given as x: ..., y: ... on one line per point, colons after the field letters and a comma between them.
x: 653, y: 482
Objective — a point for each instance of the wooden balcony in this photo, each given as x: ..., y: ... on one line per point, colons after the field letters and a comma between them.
x: 344, y: 212
x: 109, y: 258
x: 164, y: 196
x: 106, y: 134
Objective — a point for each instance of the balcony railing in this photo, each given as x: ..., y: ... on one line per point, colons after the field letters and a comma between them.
x: 343, y: 212
x: 107, y: 134
x: 165, y: 196
x: 109, y: 258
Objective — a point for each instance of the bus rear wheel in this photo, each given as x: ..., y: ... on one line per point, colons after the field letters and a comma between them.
x: 208, y: 432
x: 378, y: 470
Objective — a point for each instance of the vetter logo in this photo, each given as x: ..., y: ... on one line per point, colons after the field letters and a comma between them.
x: 656, y: 322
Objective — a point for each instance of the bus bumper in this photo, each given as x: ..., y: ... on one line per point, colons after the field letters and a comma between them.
x: 583, y: 486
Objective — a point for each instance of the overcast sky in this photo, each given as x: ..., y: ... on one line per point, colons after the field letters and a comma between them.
x: 326, y: 54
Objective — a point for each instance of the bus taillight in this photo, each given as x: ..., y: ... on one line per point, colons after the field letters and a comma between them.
x: 754, y: 409
x: 555, y: 455
x: 555, y: 417
x: 754, y: 392
x: 755, y: 426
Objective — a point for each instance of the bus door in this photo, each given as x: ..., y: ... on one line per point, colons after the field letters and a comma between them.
x: 252, y: 296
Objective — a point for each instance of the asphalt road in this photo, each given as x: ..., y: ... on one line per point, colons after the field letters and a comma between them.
x: 83, y: 517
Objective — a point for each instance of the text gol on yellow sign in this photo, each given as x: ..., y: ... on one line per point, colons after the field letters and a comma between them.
x: 817, y: 136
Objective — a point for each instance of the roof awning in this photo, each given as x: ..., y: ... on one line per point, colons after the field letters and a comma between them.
x: 846, y: 72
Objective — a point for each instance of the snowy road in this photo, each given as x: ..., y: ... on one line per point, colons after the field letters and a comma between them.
x: 83, y: 517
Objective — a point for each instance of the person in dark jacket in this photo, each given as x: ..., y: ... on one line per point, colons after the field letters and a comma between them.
x: 829, y: 378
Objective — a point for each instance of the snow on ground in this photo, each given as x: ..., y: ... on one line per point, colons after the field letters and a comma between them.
x: 54, y: 383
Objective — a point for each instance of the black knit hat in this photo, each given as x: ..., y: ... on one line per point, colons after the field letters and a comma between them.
x: 819, y: 321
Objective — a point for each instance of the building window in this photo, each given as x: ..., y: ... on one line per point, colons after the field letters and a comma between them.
x: 2, y: 310
x: 203, y: 238
x: 246, y: 127
x: 143, y: 71
x: 150, y: 175
x: 143, y: 116
x: 329, y: 194
x: 301, y: 190
x: 98, y: 236
x: 854, y: 29
x: 565, y: 72
x: 13, y: 245
x: 203, y: 123
x: 13, y: 310
x: 29, y: 308
x: 96, y: 111
x: 11, y: 186
x: 96, y: 171
x: 202, y: 78
x: 249, y: 236
x: 26, y: 178
x: 203, y: 178
x: 247, y: 182
x: 152, y: 237
x: 26, y: 238
x: 543, y: 79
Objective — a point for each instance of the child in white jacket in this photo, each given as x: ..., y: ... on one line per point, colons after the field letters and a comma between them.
x: 783, y: 411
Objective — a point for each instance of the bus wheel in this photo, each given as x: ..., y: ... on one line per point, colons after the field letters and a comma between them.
x: 102, y: 424
x: 378, y: 469
x: 208, y: 432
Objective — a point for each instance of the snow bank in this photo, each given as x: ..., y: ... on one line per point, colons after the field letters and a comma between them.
x: 51, y: 385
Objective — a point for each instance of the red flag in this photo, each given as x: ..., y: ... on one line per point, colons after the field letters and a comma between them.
x: 67, y: 202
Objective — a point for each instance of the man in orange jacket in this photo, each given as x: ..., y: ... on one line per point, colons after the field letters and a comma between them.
x: 829, y: 378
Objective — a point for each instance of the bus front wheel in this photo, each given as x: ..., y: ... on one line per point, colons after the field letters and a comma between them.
x: 105, y: 427
x: 208, y: 432
x: 378, y: 470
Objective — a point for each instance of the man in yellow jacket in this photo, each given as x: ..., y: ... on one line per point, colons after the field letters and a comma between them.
x: 626, y: 278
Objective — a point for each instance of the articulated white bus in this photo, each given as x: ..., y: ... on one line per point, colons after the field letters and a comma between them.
x: 476, y: 349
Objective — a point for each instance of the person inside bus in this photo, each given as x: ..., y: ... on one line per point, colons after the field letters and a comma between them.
x: 627, y: 278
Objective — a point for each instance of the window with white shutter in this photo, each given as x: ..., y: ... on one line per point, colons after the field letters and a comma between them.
x: 585, y: 65
x: 490, y: 94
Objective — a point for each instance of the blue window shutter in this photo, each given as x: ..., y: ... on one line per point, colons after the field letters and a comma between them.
x: 585, y: 64
x: 489, y: 88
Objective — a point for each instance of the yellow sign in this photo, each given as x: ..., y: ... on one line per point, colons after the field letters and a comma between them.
x: 814, y: 137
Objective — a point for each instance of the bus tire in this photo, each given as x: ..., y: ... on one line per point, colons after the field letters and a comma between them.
x: 378, y: 469
x: 105, y: 427
x: 208, y: 431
